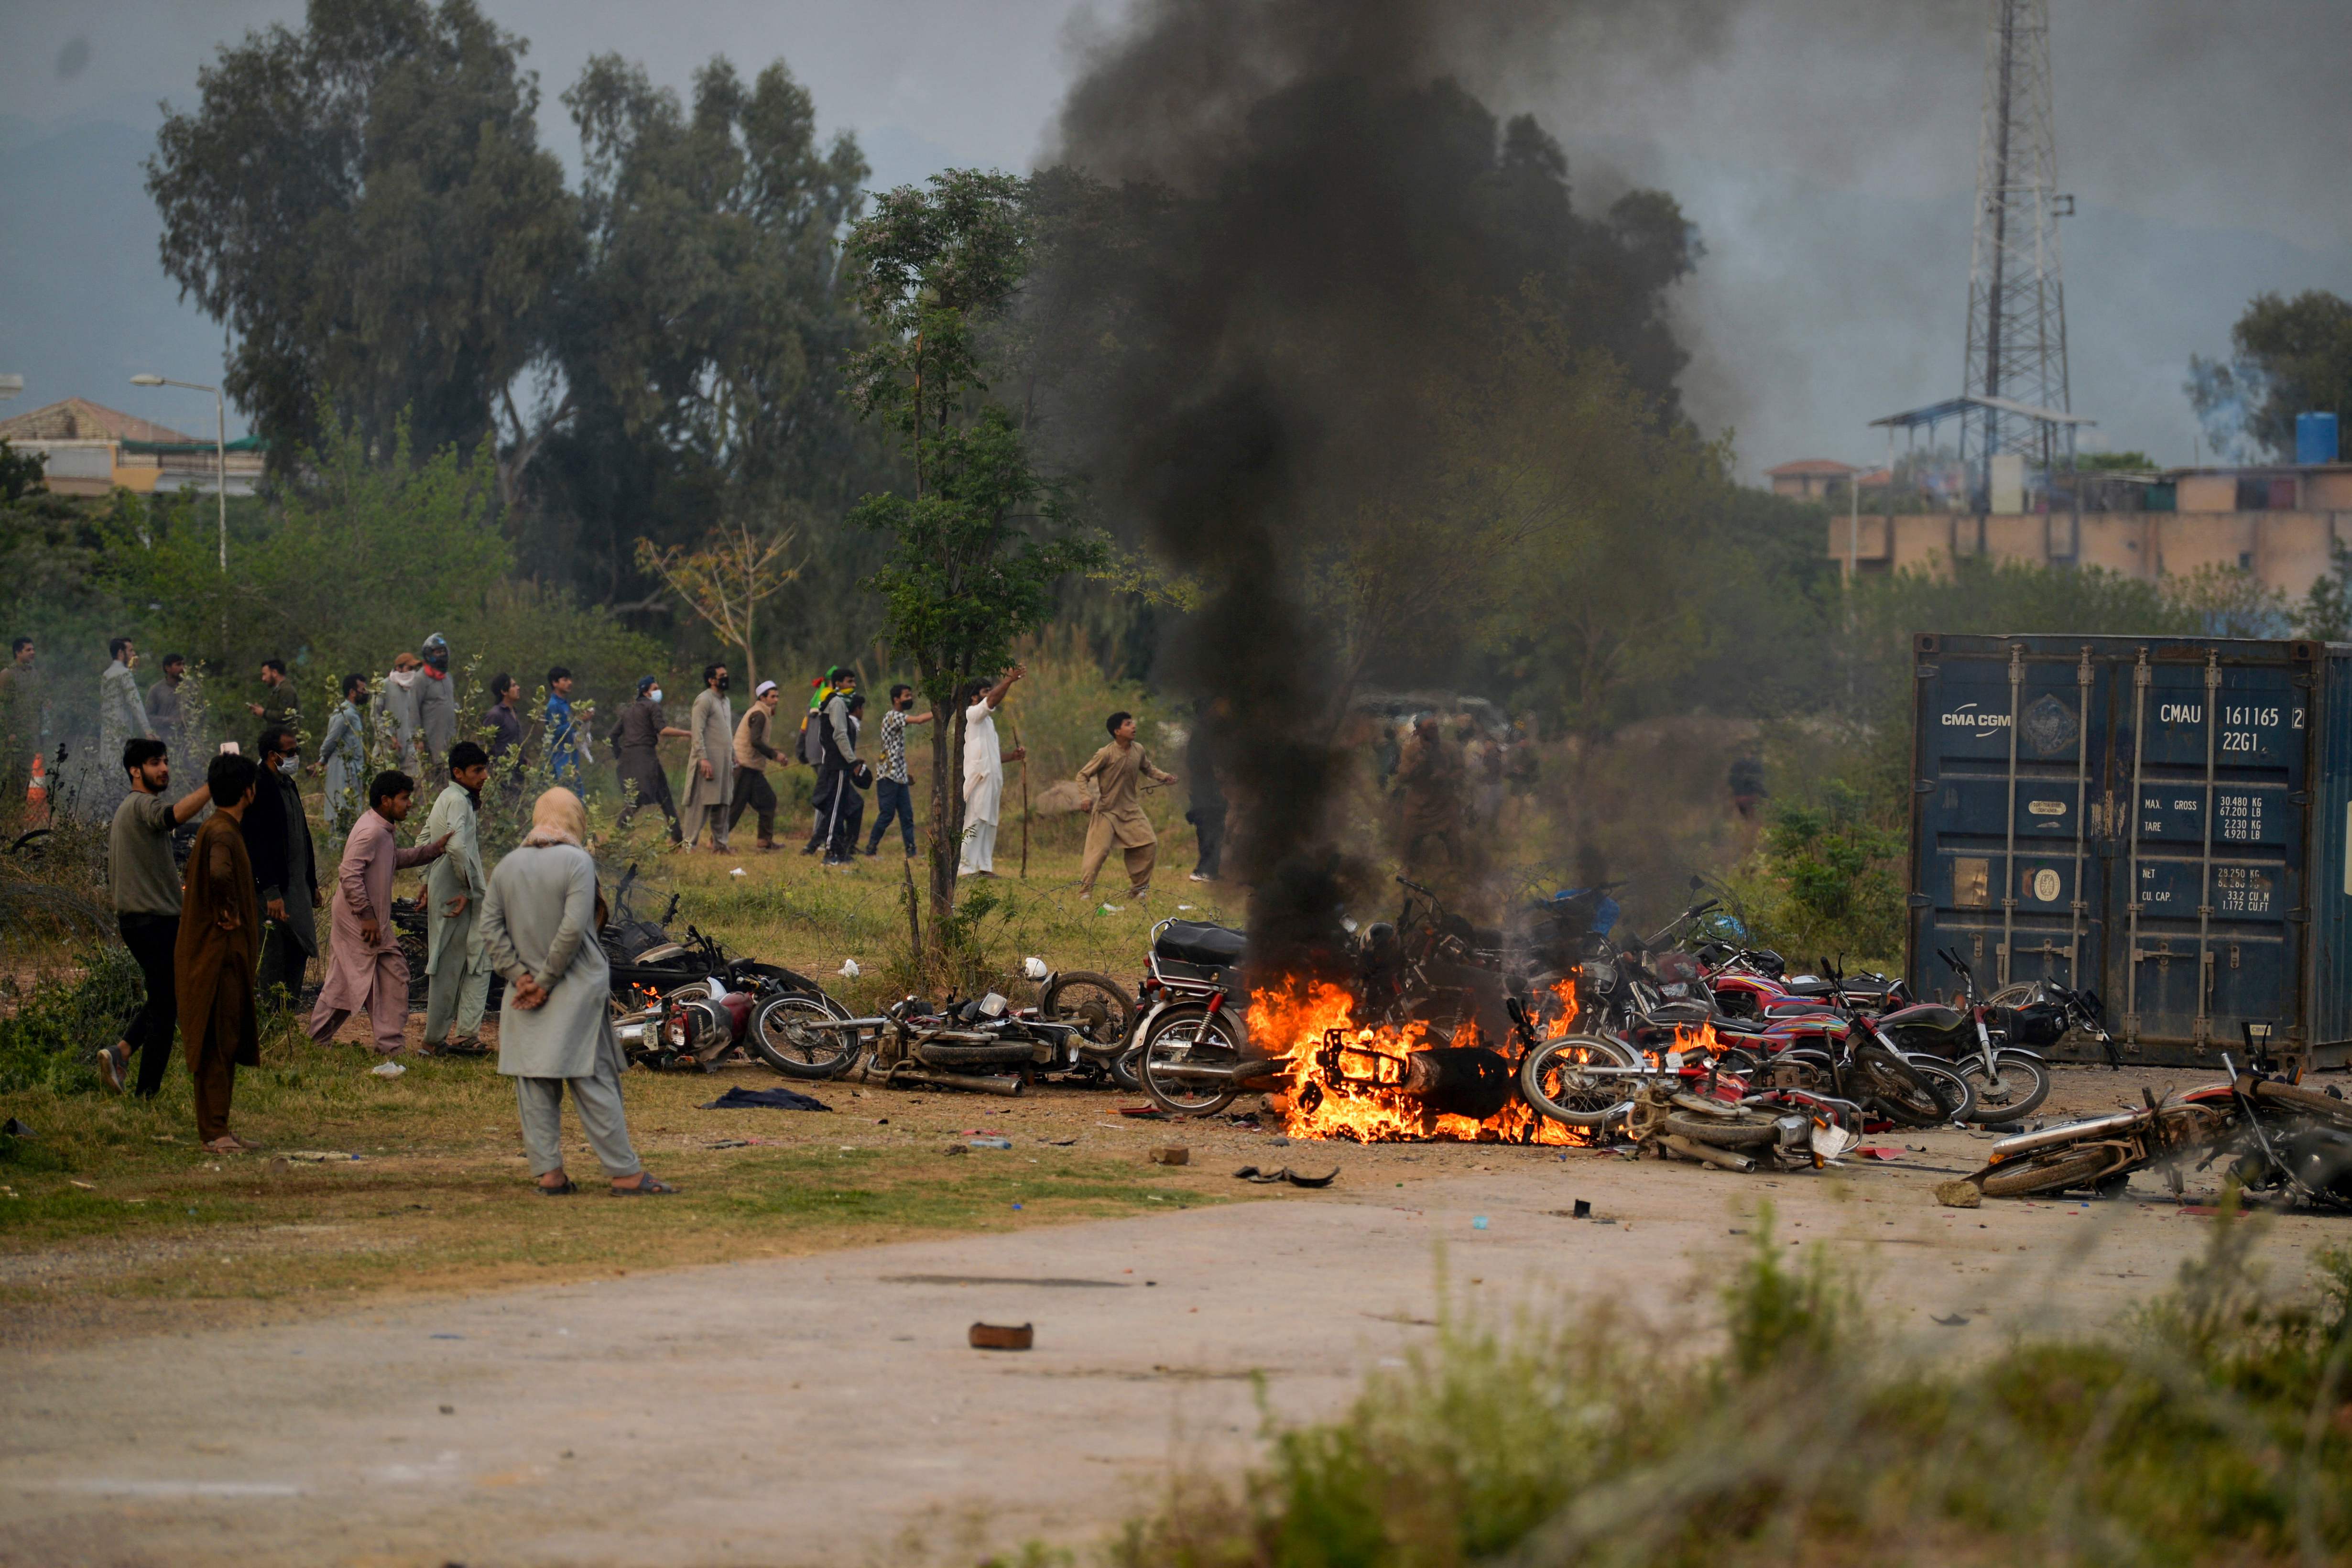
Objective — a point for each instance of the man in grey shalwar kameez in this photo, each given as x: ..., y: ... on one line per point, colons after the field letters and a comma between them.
x: 343, y: 757
x: 710, y: 760
x: 436, y: 708
x: 121, y: 716
x: 539, y: 925
x: 456, y: 970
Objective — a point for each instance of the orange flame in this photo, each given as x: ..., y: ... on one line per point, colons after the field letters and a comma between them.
x: 1365, y: 1101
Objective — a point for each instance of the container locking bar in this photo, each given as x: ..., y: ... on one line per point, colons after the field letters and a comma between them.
x: 2141, y: 678
x: 2203, y: 1032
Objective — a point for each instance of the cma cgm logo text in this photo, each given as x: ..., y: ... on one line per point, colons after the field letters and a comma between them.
x: 1965, y: 717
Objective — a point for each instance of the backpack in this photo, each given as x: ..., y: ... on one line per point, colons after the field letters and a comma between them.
x: 810, y: 747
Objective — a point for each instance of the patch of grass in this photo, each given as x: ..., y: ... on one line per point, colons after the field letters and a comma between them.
x: 113, y: 1197
x: 2215, y: 1428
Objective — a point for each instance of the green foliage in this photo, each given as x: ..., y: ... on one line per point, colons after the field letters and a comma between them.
x: 308, y: 582
x: 19, y: 471
x: 702, y: 345
x: 363, y: 203
x: 1572, y: 1437
x: 977, y: 551
x: 1834, y: 872
x: 2293, y: 356
x: 49, y: 1039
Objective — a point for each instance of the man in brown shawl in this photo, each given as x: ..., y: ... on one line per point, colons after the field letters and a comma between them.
x: 219, y: 947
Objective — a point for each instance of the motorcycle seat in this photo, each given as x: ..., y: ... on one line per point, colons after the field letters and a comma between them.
x: 1199, y: 942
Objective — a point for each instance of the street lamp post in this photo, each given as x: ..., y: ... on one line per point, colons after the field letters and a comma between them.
x: 220, y: 447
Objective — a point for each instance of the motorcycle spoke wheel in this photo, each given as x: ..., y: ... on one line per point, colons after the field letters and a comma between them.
x: 1901, y: 1093
x: 1955, y: 1093
x: 779, y: 1034
x: 1188, y: 1036
x: 1092, y: 1004
x: 2054, y: 1174
x: 1555, y: 1080
x: 2007, y: 1092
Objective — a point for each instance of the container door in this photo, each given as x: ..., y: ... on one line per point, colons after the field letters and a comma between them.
x: 2005, y: 819
x: 2210, y: 758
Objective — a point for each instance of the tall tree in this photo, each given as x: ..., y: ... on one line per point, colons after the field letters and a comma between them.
x: 364, y: 204
x: 2293, y: 356
x: 977, y: 549
x: 703, y: 345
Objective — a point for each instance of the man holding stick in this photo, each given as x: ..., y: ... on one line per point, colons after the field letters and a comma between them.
x: 983, y: 772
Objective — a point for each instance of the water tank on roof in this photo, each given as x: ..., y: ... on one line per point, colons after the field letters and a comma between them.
x: 2316, y: 438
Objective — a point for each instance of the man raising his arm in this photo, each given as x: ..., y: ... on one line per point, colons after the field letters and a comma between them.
x: 146, y: 888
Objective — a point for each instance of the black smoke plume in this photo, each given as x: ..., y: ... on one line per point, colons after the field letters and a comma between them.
x: 1280, y: 224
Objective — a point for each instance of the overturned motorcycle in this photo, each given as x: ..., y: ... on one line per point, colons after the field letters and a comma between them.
x: 984, y: 1045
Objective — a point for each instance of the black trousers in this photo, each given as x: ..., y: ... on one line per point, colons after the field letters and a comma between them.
x: 151, y: 939
x: 643, y: 784
x: 752, y: 791
x: 283, y: 962
x: 840, y: 810
x: 1209, y: 826
x: 893, y: 800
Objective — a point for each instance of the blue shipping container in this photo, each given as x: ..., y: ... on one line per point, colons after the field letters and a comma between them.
x: 2161, y: 819
x: 2315, y: 437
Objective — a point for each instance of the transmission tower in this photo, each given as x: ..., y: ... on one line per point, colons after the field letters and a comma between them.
x: 2017, y: 301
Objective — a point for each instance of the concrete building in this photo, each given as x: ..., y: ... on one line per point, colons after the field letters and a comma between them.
x: 1808, y: 478
x: 91, y: 449
x: 2279, y: 524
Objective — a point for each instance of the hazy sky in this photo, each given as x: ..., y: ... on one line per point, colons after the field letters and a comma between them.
x: 1826, y: 149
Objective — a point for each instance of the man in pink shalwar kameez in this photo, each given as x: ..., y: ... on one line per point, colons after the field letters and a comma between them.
x: 365, y: 966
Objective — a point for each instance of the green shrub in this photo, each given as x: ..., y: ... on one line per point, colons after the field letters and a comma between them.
x: 52, y: 1038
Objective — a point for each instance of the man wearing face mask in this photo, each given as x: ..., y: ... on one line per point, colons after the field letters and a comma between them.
x: 710, y: 760
x: 638, y: 738
x: 436, y: 707
x: 396, y: 715
x: 285, y: 873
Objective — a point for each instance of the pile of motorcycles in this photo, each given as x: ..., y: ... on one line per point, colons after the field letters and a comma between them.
x: 1687, y: 1043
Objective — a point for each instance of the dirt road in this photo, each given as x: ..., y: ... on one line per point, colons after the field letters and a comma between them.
x: 826, y: 1409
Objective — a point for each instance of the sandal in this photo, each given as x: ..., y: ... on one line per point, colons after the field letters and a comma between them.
x: 229, y: 1143
x: 649, y: 1188
x: 566, y: 1189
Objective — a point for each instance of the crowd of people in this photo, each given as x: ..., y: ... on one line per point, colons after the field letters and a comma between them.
x: 227, y: 926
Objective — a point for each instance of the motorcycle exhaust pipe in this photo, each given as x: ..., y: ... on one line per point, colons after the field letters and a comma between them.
x: 1008, y: 1086
x: 1200, y: 1072
x: 2026, y: 1142
x: 1707, y: 1152
x: 840, y: 1024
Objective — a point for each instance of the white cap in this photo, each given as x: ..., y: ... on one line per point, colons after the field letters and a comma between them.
x: 763, y: 689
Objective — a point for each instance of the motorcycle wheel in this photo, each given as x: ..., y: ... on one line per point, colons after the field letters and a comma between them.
x: 1958, y: 1094
x: 1724, y: 1134
x: 1900, y: 1091
x: 1094, y: 1005
x: 1122, y: 1069
x: 1554, y: 1084
x: 2007, y: 1092
x: 2308, y: 1101
x: 2060, y: 1169
x: 1188, y: 1033
x: 798, y: 1052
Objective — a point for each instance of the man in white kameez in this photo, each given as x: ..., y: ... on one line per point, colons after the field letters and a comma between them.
x: 983, y: 772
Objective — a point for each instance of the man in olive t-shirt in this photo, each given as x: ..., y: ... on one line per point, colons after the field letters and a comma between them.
x: 146, y: 888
